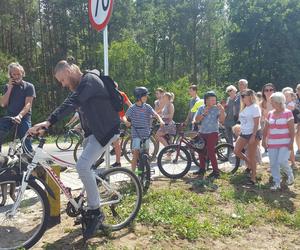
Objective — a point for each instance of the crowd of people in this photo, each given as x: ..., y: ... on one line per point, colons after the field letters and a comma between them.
x: 251, y: 119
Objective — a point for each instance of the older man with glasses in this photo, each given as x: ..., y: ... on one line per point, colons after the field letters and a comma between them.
x: 242, y: 85
x: 229, y: 110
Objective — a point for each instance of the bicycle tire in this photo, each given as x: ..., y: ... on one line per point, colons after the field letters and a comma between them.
x: 225, y: 155
x: 132, y: 215
x: 127, y: 151
x: 68, y: 144
x: 75, y: 151
x: 145, y: 176
x: 183, y: 154
x: 194, y: 157
x: 76, y: 156
x: 28, y: 243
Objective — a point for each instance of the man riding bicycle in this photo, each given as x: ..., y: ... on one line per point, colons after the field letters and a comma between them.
x: 100, y: 122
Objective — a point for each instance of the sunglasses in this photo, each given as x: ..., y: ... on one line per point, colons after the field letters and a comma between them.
x: 229, y: 91
x: 244, y: 95
x: 269, y: 90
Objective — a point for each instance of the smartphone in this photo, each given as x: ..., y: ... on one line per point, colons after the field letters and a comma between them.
x: 12, y: 79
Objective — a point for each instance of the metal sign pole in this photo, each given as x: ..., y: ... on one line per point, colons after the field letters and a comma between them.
x: 105, y: 47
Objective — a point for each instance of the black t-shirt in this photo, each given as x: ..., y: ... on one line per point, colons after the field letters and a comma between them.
x: 18, y: 96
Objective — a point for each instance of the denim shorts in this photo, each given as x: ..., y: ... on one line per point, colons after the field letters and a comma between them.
x: 136, y: 143
x: 258, y: 135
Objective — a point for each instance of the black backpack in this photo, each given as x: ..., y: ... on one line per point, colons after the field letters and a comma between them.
x: 116, y: 97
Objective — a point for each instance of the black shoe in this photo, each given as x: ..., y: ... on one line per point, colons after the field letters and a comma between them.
x: 93, y: 220
x: 214, y: 175
x: 63, y: 168
x: 201, y: 172
x: 116, y: 165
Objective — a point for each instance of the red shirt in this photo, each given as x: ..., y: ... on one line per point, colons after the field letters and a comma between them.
x: 126, y: 99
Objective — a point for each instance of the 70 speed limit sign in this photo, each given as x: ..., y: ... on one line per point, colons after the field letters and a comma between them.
x: 99, y: 13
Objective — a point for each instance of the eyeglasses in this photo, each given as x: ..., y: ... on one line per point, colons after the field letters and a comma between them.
x: 269, y: 90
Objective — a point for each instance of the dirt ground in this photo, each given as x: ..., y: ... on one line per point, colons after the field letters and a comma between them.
x: 259, y: 236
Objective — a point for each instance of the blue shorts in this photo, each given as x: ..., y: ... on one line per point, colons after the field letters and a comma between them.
x: 136, y: 143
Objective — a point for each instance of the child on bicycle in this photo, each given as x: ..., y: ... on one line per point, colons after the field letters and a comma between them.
x: 139, y: 115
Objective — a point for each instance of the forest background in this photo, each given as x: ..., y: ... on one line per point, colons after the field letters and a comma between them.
x: 155, y: 43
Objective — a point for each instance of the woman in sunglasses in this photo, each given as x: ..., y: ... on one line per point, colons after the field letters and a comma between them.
x: 266, y: 106
x: 250, y: 136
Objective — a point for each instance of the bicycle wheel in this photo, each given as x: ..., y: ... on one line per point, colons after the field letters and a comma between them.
x: 195, y: 157
x: 153, y: 148
x: 64, y: 142
x: 144, y: 172
x: 228, y: 162
x: 28, y: 224
x: 174, y: 161
x: 77, y: 150
x: 121, y: 197
x: 127, y: 149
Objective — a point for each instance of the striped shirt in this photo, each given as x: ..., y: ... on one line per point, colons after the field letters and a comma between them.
x: 278, y: 135
x: 140, y: 117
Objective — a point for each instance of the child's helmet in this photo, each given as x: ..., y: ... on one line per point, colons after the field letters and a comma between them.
x: 139, y: 92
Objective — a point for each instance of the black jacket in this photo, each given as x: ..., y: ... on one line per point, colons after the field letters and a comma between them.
x: 97, y: 115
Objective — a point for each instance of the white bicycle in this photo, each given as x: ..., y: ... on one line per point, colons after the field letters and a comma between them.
x: 24, y: 221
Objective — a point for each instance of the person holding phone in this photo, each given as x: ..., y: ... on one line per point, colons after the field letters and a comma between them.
x: 17, y: 99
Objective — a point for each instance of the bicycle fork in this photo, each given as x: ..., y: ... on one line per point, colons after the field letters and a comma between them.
x: 24, y: 184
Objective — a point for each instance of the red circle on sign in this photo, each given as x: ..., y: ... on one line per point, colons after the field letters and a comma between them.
x: 100, y: 26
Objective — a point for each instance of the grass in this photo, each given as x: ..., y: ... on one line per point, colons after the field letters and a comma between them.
x: 182, y: 214
x: 189, y: 214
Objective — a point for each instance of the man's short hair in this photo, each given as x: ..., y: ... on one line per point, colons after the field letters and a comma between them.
x: 244, y: 81
x: 193, y: 87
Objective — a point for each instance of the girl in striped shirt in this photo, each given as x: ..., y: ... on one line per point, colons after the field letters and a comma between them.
x: 278, y: 137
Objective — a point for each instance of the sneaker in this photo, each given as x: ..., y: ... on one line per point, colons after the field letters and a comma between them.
x: 93, y: 220
x: 275, y: 187
x: 290, y: 180
x: 214, y: 175
x: 116, y: 165
x: 247, y: 171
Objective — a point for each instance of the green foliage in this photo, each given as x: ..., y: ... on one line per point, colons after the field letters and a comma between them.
x: 165, y: 43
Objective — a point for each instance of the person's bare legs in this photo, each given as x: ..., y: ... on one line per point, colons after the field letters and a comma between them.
x: 297, y: 136
x: 238, y: 148
x: 4, y: 194
x: 160, y: 137
x: 135, y: 156
x: 252, y: 149
x: 12, y: 192
x: 117, y: 148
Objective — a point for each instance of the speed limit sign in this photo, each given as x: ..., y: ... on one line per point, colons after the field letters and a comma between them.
x: 99, y: 13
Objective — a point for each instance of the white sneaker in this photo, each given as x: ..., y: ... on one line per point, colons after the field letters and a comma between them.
x: 290, y: 180
x: 275, y: 187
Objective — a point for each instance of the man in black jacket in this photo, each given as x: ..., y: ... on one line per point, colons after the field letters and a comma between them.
x: 100, y: 123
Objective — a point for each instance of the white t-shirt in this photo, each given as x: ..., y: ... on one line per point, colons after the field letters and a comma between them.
x: 246, y: 118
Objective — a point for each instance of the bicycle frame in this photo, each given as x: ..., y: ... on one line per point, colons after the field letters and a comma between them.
x: 40, y: 157
x: 187, y: 142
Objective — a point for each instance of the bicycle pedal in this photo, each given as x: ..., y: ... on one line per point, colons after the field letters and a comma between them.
x: 78, y: 221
